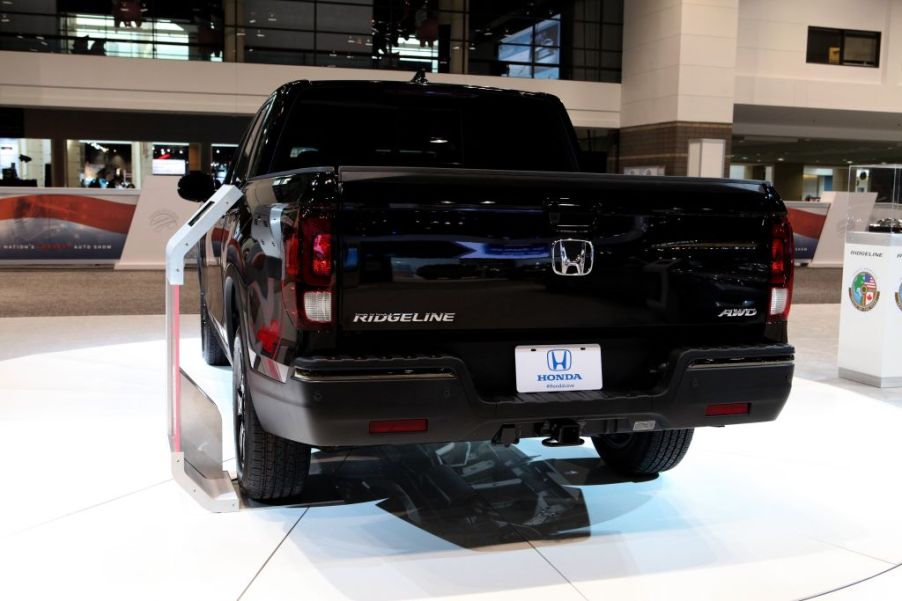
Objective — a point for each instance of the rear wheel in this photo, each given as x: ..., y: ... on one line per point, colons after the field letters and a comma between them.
x: 209, y: 341
x: 269, y: 467
x: 643, y: 453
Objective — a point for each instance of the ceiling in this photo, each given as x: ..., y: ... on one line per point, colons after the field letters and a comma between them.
x: 769, y: 135
x: 812, y: 151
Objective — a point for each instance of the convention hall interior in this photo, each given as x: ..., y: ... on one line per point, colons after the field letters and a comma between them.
x: 672, y: 112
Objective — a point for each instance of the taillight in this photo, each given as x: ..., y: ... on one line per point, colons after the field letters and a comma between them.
x: 308, y: 282
x: 292, y: 258
x: 782, y: 251
x: 322, y: 255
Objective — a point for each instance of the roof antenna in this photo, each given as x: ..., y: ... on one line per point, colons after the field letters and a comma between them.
x: 420, y: 76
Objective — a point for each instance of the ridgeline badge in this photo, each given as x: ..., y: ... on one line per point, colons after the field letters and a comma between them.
x: 863, y: 293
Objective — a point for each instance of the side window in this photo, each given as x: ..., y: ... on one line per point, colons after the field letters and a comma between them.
x: 246, y: 151
x: 267, y: 135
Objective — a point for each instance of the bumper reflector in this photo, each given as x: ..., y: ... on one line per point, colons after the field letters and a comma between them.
x: 727, y: 409
x: 396, y: 426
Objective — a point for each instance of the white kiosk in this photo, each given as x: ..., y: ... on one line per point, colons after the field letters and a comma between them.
x: 870, y: 327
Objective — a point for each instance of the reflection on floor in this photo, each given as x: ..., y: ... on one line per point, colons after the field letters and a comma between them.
x: 469, y: 494
x: 792, y: 509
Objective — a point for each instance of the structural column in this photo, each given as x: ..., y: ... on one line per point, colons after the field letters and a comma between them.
x: 679, y: 72
x: 59, y: 161
x: 454, y: 15
x: 233, y: 31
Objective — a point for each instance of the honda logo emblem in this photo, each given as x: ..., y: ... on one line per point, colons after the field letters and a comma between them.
x: 572, y: 257
x: 559, y: 359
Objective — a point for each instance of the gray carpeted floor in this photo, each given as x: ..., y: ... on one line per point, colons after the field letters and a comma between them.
x: 64, y: 291
x: 817, y: 286
x: 67, y: 291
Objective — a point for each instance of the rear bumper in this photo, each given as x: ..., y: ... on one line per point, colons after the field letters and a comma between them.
x: 331, y: 401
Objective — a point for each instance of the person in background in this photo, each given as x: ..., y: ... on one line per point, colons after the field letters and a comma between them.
x: 80, y: 45
x: 100, y: 181
x: 97, y: 48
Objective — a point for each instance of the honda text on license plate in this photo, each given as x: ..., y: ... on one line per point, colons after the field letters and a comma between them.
x: 558, y: 368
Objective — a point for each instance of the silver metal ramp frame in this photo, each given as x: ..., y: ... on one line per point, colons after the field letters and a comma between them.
x: 195, y: 425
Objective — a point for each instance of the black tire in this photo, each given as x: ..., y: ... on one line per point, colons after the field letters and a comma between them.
x: 643, y: 453
x: 209, y: 341
x: 269, y: 467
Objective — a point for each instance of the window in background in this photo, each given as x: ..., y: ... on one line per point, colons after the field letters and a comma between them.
x: 222, y: 160
x: 24, y: 162
x: 104, y: 164
x: 572, y: 39
x: 843, y: 47
x: 533, y: 52
x: 170, y: 158
x: 100, y: 35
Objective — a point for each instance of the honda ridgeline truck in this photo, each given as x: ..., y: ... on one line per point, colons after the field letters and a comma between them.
x: 414, y: 262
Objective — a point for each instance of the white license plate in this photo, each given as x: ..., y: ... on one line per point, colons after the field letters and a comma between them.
x: 558, y: 368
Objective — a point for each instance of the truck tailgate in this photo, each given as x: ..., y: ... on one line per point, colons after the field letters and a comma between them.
x: 447, y: 251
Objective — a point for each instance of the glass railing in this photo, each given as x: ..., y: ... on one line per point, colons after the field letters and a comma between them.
x: 576, y: 39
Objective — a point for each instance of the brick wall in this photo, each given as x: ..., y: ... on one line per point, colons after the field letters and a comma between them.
x: 667, y: 144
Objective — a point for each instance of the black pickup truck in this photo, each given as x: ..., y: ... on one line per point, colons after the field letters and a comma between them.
x: 414, y: 262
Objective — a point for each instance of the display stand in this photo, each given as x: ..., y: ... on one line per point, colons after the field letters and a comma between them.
x: 846, y: 210
x: 195, y: 425
x: 158, y: 214
x: 870, y: 328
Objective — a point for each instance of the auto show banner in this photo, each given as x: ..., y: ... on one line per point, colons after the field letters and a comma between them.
x: 64, y: 225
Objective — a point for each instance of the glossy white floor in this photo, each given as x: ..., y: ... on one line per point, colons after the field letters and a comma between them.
x: 805, y: 506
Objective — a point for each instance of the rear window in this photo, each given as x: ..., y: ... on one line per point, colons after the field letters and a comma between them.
x: 399, y: 128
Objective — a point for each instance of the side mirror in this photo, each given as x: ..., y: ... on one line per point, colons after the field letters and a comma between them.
x: 197, y: 186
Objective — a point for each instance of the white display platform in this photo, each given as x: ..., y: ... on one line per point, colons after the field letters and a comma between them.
x: 870, y: 332
x: 846, y: 210
x: 777, y: 511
